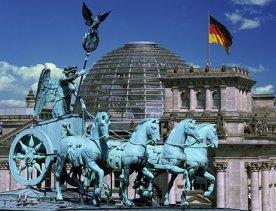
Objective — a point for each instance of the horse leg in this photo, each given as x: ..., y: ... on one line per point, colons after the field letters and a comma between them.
x: 100, y: 173
x: 150, y: 177
x: 167, y: 197
x: 124, y: 182
x: 187, y: 186
x: 59, y: 169
x: 189, y: 176
x: 211, y: 179
x: 137, y: 182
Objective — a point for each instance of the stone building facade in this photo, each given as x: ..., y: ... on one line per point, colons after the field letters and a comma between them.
x: 244, y: 165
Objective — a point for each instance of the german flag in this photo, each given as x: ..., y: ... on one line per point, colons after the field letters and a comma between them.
x: 219, y: 34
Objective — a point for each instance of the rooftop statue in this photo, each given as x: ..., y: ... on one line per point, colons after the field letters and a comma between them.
x: 91, y: 38
x: 57, y: 91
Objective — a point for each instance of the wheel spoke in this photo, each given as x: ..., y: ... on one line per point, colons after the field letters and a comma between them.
x: 22, y: 167
x: 29, y: 172
x: 37, y: 166
x: 38, y: 146
x: 23, y: 146
x: 39, y: 157
x: 31, y: 142
x: 19, y: 156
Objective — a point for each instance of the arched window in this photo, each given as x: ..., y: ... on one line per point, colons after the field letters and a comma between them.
x: 185, y: 99
x: 216, y: 99
x: 200, y: 97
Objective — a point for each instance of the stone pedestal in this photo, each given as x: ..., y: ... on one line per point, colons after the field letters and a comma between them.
x: 221, y: 169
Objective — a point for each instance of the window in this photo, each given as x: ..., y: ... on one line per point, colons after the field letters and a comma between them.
x: 216, y: 99
x: 200, y: 96
x: 185, y: 99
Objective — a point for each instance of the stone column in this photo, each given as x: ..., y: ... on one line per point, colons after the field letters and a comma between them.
x: 265, y: 167
x: 249, y: 101
x: 192, y: 99
x: 253, y: 169
x: 274, y: 185
x: 209, y: 101
x: 175, y: 99
x: 221, y: 169
x: 223, y: 103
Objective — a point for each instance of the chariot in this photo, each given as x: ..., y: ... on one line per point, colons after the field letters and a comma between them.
x: 33, y: 150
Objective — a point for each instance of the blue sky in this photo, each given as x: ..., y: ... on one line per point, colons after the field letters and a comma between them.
x: 35, y: 33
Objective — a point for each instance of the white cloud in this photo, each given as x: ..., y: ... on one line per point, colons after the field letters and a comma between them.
x: 18, y: 80
x: 15, y: 81
x: 12, y: 103
x: 193, y: 65
x: 33, y: 72
x: 264, y: 90
x: 260, y: 68
x: 252, y: 2
x: 245, y: 23
x: 234, y: 17
x: 249, y: 24
x: 6, y: 82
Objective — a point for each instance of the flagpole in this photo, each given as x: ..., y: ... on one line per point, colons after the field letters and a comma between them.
x: 209, y: 46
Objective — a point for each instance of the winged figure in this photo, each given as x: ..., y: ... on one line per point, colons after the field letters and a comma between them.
x: 58, y: 92
x: 88, y: 17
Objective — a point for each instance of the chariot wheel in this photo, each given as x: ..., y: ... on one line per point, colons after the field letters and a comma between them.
x: 30, y: 157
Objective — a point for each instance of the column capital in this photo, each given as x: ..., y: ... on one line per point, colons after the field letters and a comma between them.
x: 220, y: 165
x: 191, y: 87
x: 253, y: 166
x: 266, y: 165
x: 207, y: 86
x: 4, y: 165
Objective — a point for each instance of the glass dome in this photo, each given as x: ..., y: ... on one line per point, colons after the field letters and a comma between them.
x: 125, y: 82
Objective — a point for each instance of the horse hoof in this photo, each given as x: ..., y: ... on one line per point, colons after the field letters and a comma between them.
x: 95, y: 202
x: 207, y: 194
x: 166, y: 203
x: 185, y: 203
x: 129, y: 204
x: 59, y: 197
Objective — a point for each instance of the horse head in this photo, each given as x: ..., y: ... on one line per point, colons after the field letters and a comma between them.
x: 100, y: 128
x: 211, y: 136
x: 152, y: 131
x: 191, y: 129
x: 147, y: 132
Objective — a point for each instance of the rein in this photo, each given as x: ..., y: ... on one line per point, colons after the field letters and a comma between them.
x: 188, y: 145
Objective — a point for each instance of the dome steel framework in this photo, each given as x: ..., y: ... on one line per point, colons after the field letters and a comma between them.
x: 126, y: 82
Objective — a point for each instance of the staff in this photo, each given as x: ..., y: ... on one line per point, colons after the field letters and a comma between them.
x: 91, y: 38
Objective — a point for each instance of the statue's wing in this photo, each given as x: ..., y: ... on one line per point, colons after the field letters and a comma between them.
x: 45, y: 91
x: 87, y: 15
x: 102, y: 17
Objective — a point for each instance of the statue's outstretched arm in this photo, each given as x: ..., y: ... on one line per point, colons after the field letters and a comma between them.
x: 74, y: 76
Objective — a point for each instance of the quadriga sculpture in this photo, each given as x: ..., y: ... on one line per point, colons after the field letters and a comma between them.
x: 132, y: 155
x: 196, y: 158
x: 87, y: 152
